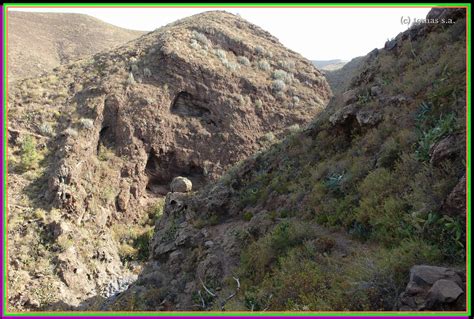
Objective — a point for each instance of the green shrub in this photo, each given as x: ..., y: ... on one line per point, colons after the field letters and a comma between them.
x: 259, y: 50
x: 264, y: 65
x: 279, y: 75
x: 194, y: 44
x: 230, y: 65
x: 88, y: 124
x: 278, y: 85
x: 70, y: 132
x: 156, y: 211
x: 447, y: 233
x: 243, y: 60
x: 29, y: 157
x: 247, y: 216
x: 200, y: 37
x: 221, y: 54
x: 46, y: 129
x: 130, y: 79
x: 295, y: 100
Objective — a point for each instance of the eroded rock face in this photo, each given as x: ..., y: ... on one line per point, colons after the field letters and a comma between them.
x: 432, y: 288
x: 189, y: 99
x: 191, y: 111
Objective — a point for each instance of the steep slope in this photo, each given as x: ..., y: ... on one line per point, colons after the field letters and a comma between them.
x: 334, y: 216
x: 339, y: 79
x: 329, y: 65
x: 94, y: 145
x: 39, y: 42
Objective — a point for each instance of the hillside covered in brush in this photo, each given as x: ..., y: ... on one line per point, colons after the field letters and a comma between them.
x: 39, y: 42
x: 364, y: 209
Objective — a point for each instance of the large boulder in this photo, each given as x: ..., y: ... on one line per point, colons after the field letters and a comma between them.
x: 181, y: 185
x: 431, y: 288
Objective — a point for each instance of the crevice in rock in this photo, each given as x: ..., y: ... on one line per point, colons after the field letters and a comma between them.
x: 162, y: 168
x: 185, y: 104
x: 102, y: 135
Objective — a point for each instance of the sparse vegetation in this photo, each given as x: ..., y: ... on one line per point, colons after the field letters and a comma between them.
x: 264, y: 65
x: 201, y: 38
x: 278, y: 85
x: 243, y: 60
x: 29, y: 155
x: 46, y: 129
x: 377, y: 184
x: 88, y: 124
x: 259, y: 50
x: 130, y: 79
x: 326, y: 216
x: 70, y: 132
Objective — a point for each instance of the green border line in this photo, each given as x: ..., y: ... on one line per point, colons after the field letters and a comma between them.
x: 6, y: 6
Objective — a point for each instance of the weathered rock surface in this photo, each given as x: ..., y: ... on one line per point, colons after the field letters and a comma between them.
x: 189, y: 99
x: 432, y: 288
x: 199, y: 240
x: 447, y: 147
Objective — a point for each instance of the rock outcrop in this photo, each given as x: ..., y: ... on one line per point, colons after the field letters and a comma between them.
x: 189, y: 99
x: 433, y: 288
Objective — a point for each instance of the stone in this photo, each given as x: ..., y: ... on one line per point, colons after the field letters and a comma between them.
x: 123, y: 199
x: 181, y: 185
x: 368, y: 117
x: 349, y: 97
x: 455, y: 203
x: 428, y: 275
x: 342, y: 116
x: 444, y: 291
x: 444, y: 149
x: 431, y: 288
x: 375, y: 90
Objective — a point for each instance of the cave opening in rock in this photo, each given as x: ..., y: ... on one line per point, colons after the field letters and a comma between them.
x: 162, y: 168
x: 185, y: 104
x: 102, y: 138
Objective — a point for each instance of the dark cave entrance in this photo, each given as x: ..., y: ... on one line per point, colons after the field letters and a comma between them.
x: 162, y: 168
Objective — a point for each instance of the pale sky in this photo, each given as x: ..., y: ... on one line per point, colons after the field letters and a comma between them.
x: 316, y: 33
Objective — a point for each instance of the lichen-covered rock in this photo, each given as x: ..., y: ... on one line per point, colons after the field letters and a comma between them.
x: 181, y: 185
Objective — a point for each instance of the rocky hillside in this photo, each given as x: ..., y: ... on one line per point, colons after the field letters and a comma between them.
x: 94, y: 146
x: 39, y: 42
x: 364, y: 209
x: 339, y: 79
x: 329, y: 65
